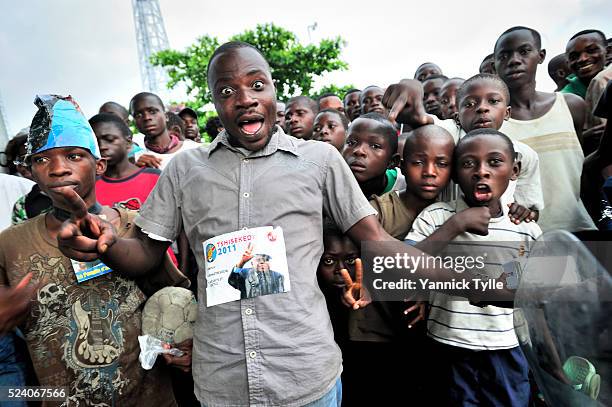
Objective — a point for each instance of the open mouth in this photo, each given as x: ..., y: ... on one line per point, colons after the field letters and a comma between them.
x: 250, y: 126
x: 482, y: 193
x: 585, y: 68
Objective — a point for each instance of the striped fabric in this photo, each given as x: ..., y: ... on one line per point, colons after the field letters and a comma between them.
x: 452, y: 320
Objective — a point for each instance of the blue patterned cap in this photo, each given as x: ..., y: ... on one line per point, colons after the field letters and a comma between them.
x: 59, y: 122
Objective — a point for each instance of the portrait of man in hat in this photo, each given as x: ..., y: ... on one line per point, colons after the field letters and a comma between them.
x: 258, y: 279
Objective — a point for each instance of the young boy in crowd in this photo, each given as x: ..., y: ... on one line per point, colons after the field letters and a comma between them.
x: 175, y: 125
x: 370, y: 100
x: 487, y: 65
x: 150, y: 118
x: 190, y: 119
x: 370, y: 150
x: 483, y: 102
x: 540, y: 120
x: 64, y: 159
x: 448, y: 100
x: 123, y: 184
x: 213, y: 127
x: 116, y: 109
x: 299, y: 116
x: 426, y: 70
x: 280, y: 114
x: 330, y: 126
x: 472, y: 342
x: 352, y: 107
x: 330, y: 101
x: 558, y: 70
x: 586, y: 57
x: 431, y: 94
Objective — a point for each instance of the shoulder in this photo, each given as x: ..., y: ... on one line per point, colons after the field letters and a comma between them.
x: 150, y: 171
x: 14, y: 235
x: 573, y: 101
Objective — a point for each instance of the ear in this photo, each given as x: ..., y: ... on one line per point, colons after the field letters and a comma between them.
x: 101, y: 166
x: 508, y: 111
x: 542, y: 54
x: 516, y: 169
x: 394, y: 161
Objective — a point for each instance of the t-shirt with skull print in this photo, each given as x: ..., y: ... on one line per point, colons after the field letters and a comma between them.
x: 82, y: 336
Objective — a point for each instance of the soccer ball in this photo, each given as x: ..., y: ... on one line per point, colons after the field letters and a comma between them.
x: 169, y: 315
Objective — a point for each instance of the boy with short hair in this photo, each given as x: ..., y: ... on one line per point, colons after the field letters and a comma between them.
x: 480, y: 361
x: 448, y: 101
x: 299, y: 116
x: 175, y: 125
x: 352, y: 107
x: 558, y: 70
x: 586, y: 57
x: 487, y: 65
x: 123, y: 184
x: 330, y: 126
x: 370, y: 150
x: 370, y: 100
x: 426, y: 70
x: 431, y: 94
x: 551, y: 124
x: 150, y: 118
x: 330, y: 101
x: 64, y: 159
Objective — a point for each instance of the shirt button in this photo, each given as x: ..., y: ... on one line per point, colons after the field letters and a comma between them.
x: 246, y: 160
x: 248, y: 311
x: 252, y: 354
x: 246, y: 195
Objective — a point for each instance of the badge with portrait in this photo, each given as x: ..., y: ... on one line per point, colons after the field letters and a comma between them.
x: 86, y: 270
x: 245, y: 264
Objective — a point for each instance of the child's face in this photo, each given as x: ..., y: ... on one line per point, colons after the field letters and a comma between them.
x: 328, y: 128
x: 67, y: 167
x: 431, y: 95
x: 586, y: 56
x: 114, y: 147
x: 149, y: 116
x: 299, y: 119
x: 483, y: 106
x: 244, y: 96
x: 340, y: 253
x: 371, y: 101
x: 426, y: 71
x: 352, y: 107
x: 448, y: 104
x: 367, y: 152
x: 517, y: 58
x: 331, y: 102
x: 483, y: 169
x: 428, y: 169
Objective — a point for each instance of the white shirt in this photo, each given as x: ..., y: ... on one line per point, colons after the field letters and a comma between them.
x: 452, y: 320
x: 12, y: 188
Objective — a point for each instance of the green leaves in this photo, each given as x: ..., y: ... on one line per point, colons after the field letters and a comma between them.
x: 294, y: 66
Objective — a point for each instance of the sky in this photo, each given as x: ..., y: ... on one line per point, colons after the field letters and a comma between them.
x: 88, y: 48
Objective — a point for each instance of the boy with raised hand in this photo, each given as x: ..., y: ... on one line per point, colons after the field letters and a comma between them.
x: 64, y: 160
x: 300, y: 115
x: 253, y: 351
x: 479, y: 360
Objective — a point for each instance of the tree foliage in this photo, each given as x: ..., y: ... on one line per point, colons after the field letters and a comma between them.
x: 294, y: 66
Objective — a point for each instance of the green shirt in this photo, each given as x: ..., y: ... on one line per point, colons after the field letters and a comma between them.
x: 575, y: 86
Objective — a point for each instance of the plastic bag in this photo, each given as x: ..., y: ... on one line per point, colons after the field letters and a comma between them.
x: 150, y: 348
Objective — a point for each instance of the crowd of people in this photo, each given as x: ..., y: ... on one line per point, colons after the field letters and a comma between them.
x: 430, y: 160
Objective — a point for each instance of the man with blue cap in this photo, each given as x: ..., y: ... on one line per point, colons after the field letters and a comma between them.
x: 81, y: 327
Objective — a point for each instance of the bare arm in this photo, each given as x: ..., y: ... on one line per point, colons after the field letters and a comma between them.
x: 577, y: 107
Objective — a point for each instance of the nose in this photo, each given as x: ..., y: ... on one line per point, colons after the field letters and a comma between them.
x: 583, y: 57
x: 482, y: 107
x: 245, y: 99
x: 429, y: 170
x: 359, y: 150
x: 58, y: 168
x: 482, y: 171
x: 514, y: 59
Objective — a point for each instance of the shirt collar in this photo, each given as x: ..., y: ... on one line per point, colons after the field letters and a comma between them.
x: 278, y: 141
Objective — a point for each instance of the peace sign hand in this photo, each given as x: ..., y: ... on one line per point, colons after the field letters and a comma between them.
x: 246, y: 256
x: 84, y: 236
x: 355, y: 295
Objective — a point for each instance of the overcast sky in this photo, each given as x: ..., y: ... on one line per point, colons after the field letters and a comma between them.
x: 88, y: 48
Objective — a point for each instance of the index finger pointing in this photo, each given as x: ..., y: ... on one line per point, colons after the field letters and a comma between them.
x: 76, y: 205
